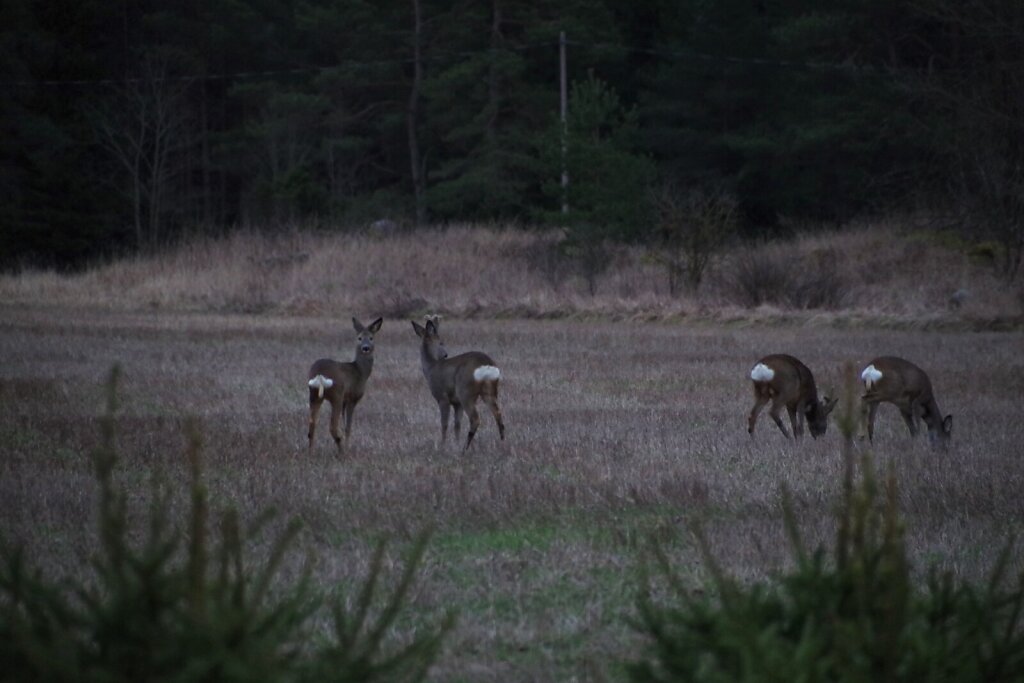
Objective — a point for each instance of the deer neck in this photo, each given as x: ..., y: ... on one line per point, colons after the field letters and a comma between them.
x: 363, y: 364
x: 813, y: 407
x: 427, y: 362
x: 931, y: 415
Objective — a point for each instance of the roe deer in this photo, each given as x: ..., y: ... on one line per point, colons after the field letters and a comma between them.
x: 785, y: 381
x: 894, y: 380
x: 342, y: 384
x: 458, y: 382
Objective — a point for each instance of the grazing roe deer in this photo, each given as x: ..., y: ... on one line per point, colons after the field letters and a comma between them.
x: 459, y: 381
x: 341, y: 384
x: 889, y: 379
x: 785, y: 381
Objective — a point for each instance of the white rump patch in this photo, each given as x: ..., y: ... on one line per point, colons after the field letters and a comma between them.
x: 486, y: 373
x: 870, y: 376
x: 321, y: 382
x: 762, y: 373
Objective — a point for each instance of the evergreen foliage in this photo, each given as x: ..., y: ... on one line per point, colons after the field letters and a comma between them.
x: 188, y: 605
x: 607, y: 180
x: 351, y: 111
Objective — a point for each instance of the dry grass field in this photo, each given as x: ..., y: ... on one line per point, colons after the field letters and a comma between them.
x: 618, y: 432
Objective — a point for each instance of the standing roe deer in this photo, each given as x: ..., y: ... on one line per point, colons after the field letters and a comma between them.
x: 458, y: 382
x: 785, y: 381
x: 889, y: 379
x: 342, y: 384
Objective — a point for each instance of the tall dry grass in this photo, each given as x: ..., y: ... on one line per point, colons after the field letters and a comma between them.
x: 886, y: 272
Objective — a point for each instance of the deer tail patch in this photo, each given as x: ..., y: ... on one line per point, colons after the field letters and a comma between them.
x: 870, y: 376
x: 762, y: 373
x: 320, y: 382
x: 486, y: 373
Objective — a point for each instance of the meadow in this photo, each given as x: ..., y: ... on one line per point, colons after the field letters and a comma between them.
x: 622, y: 430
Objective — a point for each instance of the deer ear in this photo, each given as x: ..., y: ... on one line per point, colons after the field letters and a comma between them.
x: 375, y: 325
x: 431, y: 327
x: 947, y: 424
x: 418, y: 329
x: 358, y: 325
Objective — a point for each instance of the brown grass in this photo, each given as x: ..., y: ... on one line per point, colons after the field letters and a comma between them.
x: 618, y: 431
x: 883, y: 273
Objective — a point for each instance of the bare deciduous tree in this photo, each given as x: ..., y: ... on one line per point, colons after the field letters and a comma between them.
x: 142, y: 124
x: 693, y: 226
x: 976, y: 85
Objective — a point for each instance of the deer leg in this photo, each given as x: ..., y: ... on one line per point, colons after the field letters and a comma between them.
x: 759, y: 404
x: 445, y: 410
x: 918, y: 411
x: 335, y: 419
x: 910, y: 418
x: 801, y: 416
x: 774, y: 412
x: 871, y: 409
x: 796, y: 420
x: 457, y: 419
x: 314, y: 410
x: 474, y: 423
x: 492, y: 402
x: 350, y: 409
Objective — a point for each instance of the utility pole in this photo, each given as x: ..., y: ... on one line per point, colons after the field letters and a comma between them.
x: 564, y: 92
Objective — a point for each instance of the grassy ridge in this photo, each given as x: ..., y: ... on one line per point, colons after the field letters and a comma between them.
x: 887, y: 273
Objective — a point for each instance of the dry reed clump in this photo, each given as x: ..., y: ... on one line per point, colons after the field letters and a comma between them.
x: 865, y: 272
x: 782, y: 276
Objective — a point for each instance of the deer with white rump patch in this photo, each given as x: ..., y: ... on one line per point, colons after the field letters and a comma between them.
x: 785, y: 381
x: 342, y: 384
x: 889, y: 379
x: 459, y: 381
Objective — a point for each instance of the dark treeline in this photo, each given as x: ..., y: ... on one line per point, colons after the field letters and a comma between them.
x: 134, y: 122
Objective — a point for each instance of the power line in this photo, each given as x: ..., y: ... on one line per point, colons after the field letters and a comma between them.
x: 242, y: 75
x: 664, y: 52
x: 751, y: 61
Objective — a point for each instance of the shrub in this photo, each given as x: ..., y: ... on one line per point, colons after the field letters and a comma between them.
x: 760, y: 275
x: 588, y: 252
x: 987, y: 253
x: 182, y: 607
x: 693, y: 227
x: 849, y: 614
x: 778, y: 275
x: 818, y: 283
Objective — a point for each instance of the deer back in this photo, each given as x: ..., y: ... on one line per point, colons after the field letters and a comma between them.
x: 785, y: 376
x: 348, y: 378
x: 896, y: 380
x: 459, y: 374
x: 342, y: 377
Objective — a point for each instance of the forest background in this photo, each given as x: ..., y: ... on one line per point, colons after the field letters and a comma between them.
x: 133, y: 124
